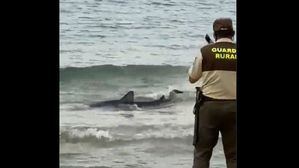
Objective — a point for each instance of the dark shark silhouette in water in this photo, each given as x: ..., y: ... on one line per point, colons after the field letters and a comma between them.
x: 128, y: 99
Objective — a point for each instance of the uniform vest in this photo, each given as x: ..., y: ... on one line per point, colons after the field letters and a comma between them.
x: 219, y: 65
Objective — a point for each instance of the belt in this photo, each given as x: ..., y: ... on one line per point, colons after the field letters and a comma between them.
x: 206, y: 98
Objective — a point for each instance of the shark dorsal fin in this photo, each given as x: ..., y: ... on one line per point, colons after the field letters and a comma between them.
x: 162, y: 98
x: 128, y: 98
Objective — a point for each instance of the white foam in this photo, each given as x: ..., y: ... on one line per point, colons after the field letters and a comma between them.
x: 90, y: 132
x: 164, y: 133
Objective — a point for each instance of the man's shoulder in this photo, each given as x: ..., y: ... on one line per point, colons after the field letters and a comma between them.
x: 218, y: 44
x: 207, y: 46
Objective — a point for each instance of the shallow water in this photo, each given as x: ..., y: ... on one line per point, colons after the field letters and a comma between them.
x: 160, y: 39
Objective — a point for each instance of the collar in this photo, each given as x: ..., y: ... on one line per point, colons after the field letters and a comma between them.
x: 224, y: 40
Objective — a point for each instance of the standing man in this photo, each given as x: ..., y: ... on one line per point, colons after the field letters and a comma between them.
x: 216, y: 111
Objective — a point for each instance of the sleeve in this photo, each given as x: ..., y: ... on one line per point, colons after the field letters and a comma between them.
x: 195, y: 71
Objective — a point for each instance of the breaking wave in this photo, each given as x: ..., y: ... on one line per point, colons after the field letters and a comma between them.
x: 116, y: 136
x: 111, y: 71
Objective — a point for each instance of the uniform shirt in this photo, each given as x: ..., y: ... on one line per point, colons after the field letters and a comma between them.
x: 217, y: 84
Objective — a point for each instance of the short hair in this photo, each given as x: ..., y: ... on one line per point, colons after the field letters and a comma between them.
x: 224, y: 33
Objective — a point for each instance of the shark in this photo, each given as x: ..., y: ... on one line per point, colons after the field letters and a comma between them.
x: 128, y: 99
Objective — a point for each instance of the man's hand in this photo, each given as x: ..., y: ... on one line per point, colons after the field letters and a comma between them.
x: 191, y: 80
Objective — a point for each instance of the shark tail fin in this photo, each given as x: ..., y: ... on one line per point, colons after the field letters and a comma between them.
x: 177, y: 91
x: 128, y: 98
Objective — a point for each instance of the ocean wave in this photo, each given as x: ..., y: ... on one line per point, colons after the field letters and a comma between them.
x: 126, y: 134
x: 111, y: 82
x: 110, y: 71
x: 62, y: 166
x: 162, y: 4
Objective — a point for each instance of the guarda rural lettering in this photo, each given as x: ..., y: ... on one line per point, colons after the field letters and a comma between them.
x: 225, y: 53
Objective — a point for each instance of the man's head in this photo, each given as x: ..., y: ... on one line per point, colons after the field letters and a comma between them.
x: 223, y: 28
